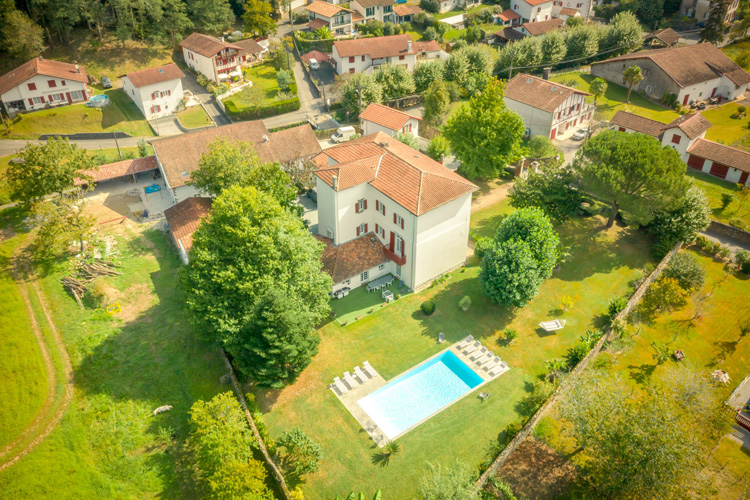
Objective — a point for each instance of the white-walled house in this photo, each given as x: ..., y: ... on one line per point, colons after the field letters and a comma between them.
x: 547, y: 108
x: 567, y: 8
x: 183, y: 219
x: 378, y: 118
x: 533, y: 10
x: 213, y: 58
x: 156, y: 91
x: 337, y: 18
x: 42, y: 83
x: 379, y: 196
x: 379, y: 10
x: 366, y: 54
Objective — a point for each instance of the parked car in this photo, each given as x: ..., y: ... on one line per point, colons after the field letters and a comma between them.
x: 314, y: 64
x: 106, y: 82
x: 343, y: 134
x: 580, y: 134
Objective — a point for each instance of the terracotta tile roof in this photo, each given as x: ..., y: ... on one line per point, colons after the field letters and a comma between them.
x: 637, y: 123
x: 185, y: 217
x: 250, y: 46
x: 356, y: 16
x: 179, y: 155
x: 406, y: 10
x: 668, y: 36
x: 534, y: 3
x: 325, y: 9
x: 120, y: 169
x: 385, y: 116
x: 408, y: 177
x: 151, y: 76
x: 351, y: 258
x: 691, y: 64
x: 720, y: 153
x: 431, y: 46
x: 567, y: 11
x: 372, y: 3
x: 384, y: 46
x: 317, y: 23
x: 317, y: 55
x: 509, y: 15
x: 539, y: 93
x: 692, y: 124
x: 40, y: 66
x: 510, y: 34
x: 205, y: 45
x: 542, y: 27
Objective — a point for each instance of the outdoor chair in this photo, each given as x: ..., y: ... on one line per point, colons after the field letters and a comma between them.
x: 551, y: 326
x: 441, y: 338
x: 484, y: 395
x: 464, y: 342
x: 369, y: 369
x: 350, y: 380
x: 478, y: 354
x: 340, y: 385
x: 484, y: 359
x: 492, y: 364
x: 360, y: 374
x: 476, y: 345
x: 499, y: 369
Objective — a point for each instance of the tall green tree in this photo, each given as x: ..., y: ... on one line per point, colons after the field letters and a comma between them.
x: 485, y: 135
x: 623, y: 35
x: 550, y: 189
x: 437, y: 101
x: 480, y: 58
x: 633, y: 172
x: 426, y: 73
x: 632, y: 76
x: 713, y: 31
x: 651, y: 12
x: 457, y: 67
x: 692, y: 216
x: 21, y: 37
x: 176, y: 20
x: 598, y: 88
x: 395, y: 80
x: 211, y: 16
x: 358, y: 91
x: 583, y: 42
x: 441, y: 482
x: 248, y: 245
x: 60, y: 221
x: 258, y: 18
x: 438, y: 148
x: 554, y: 47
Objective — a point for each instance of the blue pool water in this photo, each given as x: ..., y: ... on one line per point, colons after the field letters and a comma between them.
x: 418, y: 393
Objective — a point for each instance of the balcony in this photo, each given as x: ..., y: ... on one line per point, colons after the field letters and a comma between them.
x: 392, y: 255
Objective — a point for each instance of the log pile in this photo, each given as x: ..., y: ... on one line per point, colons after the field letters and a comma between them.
x: 86, y: 273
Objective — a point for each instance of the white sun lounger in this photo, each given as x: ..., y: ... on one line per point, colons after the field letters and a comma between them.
x: 464, y: 342
x: 481, y: 352
x: 340, y: 385
x: 551, y: 326
x: 360, y: 375
x: 369, y: 369
x: 492, y: 364
x: 473, y: 347
x: 350, y: 380
x: 483, y: 359
x: 502, y: 367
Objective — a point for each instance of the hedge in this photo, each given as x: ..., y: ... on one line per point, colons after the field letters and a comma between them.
x: 245, y: 113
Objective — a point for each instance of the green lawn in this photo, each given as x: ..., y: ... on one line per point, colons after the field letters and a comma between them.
x: 734, y: 50
x: 108, y: 445
x: 194, y: 117
x: 263, y: 76
x: 727, y: 130
x: 484, y: 222
x: 614, y: 99
x: 359, y: 303
x: 399, y: 336
x: 736, y: 213
x: 121, y: 116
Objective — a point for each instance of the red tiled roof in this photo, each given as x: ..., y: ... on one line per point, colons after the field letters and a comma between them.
x: 638, y: 123
x: 534, y: 3
x: 317, y: 23
x: 250, y: 46
x: 317, y: 55
x: 542, y: 27
x: 356, y: 16
x: 668, y: 36
x: 325, y: 9
x: 509, y: 15
x: 385, y: 116
x: 720, y: 153
x: 510, y: 34
x: 692, y: 124
x: 205, y: 45
x: 151, y: 76
x: 384, y: 46
x: 431, y: 46
x: 538, y: 92
x: 351, y: 258
x: 40, y: 66
x: 406, y: 10
x: 185, y: 217
x: 119, y: 169
x: 372, y: 3
x: 567, y: 11
x: 408, y: 177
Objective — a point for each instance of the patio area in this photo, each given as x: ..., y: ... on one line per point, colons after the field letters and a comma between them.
x: 359, y: 302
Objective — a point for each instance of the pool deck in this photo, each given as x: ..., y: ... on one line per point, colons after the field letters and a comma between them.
x: 351, y: 397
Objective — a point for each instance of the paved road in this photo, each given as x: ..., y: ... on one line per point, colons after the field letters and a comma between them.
x: 310, y: 104
x: 9, y: 147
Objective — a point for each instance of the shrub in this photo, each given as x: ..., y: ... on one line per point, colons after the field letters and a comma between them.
x: 724, y: 252
x: 431, y: 34
x: 512, y: 431
x: 726, y: 199
x: 615, y: 306
x: 481, y: 245
x: 688, y: 272
x: 742, y: 259
x: 465, y: 303
x: 432, y: 6
x: 510, y: 335
x: 202, y: 80
x: 700, y: 241
x: 428, y: 307
x: 576, y: 353
x: 237, y: 113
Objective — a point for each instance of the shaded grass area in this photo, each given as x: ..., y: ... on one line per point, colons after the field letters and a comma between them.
x: 359, y: 303
x: 736, y: 213
x: 109, y: 445
x: 400, y: 336
x: 484, y: 222
x: 120, y: 116
x: 734, y: 50
x: 727, y: 130
x: 194, y: 117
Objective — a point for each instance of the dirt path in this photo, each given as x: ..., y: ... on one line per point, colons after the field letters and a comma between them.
x: 498, y: 192
x: 49, y: 415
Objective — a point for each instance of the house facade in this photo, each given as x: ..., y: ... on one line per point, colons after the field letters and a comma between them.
x: 533, y: 10
x: 539, y: 28
x: 547, y: 108
x: 156, y: 91
x: 566, y: 8
x: 338, y: 19
x: 213, y: 58
x: 411, y: 208
x: 366, y: 54
x: 378, y: 118
x: 692, y: 73
x: 701, y: 9
x: 378, y: 10
x: 42, y: 83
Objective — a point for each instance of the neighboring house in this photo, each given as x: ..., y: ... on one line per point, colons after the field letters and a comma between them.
x: 508, y: 17
x: 547, y: 108
x: 183, y: 220
x: 687, y: 134
x: 701, y: 9
x: 533, y: 10
x: 42, y: 83
x: 379, y: 118
x: 565, y: 8
x: 506, y: 35
x: 213, y: 58
x: 377, y: 195
x: 124, y: 168
x: 540, y: 27
x: 693, y: 72
x: 662, y: 38
x: 338, y: 19
x: 365, y: 54
x: 405, y: 13
x: 178, y: 156
x: 378, y: 10
x: 156, y: 91
x: 254, y: 52
x: 567, y: 12
x: 447, y: 5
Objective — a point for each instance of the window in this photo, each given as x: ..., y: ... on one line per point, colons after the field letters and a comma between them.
x: 347, y: 282
x: 52, y: 84
x: 77, y: 95
x: 399, y: 245
x: 351, y: 70
x: 398, y: 270
x: 401, y: 58
x: 387, y: 8
x: 364, y: 276
x: 363, y: 58
x: 398, y: 220
x: 39, y: 100
x: 62, y: 82
x: 649, y: 88
x: 370, y: 11
x: 32, y: 86
x: 381, y: 267
x: 380, y: 207
x: 361, y: 229
x: 676, y: 139
x: 351, y: 59
x: 155, y: 108
x: 361, y: 206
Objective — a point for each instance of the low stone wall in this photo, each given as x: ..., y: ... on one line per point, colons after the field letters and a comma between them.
x: 567, y: 382
x: 735, y: 233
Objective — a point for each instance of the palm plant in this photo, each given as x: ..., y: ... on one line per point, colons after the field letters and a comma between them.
x: 632, y: 76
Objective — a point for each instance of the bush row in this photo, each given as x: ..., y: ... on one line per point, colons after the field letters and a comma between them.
x: 238, y: 113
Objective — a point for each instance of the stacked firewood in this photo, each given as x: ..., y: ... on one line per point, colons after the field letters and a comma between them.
x: 86, y: 273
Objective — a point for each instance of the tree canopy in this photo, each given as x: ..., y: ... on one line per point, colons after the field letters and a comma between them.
x: 436, y: 101
x: 551, y: 189
x: 632, y: 76
x: 440, y: 482
x: 395, y: 80
x: 633, y: 172
x: 683, y: 223
x: 713, y: 31
x: 364, y: 83
x: 258, y: 18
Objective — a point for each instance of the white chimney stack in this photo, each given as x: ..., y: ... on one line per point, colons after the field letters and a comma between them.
x: 408, y: 44
x: 335, y: 181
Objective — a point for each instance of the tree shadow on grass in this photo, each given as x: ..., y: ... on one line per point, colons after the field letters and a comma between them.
x: 641, y: 373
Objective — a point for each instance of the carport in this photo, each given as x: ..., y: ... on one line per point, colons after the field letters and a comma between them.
x: 120, y: 169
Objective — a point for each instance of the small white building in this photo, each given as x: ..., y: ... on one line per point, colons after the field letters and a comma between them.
x: 379, y: 118
x: 338, y: 19
x: 42, y: 83
x: 533, y: 10
x: 701, y: 9
x: 366, y: 54
x: 387, y: 208
x: 213, y: 58
x: 156, y: 91
x: 539, y: 28
x: 547, y: 108
x: 378, y: 10
x: 183, y: 219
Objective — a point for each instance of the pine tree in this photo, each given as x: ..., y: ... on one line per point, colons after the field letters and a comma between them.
x: 713, y: 32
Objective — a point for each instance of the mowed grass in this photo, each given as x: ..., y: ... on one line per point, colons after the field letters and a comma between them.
x: 194, y: 117
x: 737, y: 212
x: 727, y: 130
x: 614, y: 99
x: 399, y: 336
x: 712, y: 341
x: 108, y: 445
x: 360, y: 302
x: 120, y: 116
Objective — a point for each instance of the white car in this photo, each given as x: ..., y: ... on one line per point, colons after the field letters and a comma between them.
x: 314, y: 64
x: 580, y: 134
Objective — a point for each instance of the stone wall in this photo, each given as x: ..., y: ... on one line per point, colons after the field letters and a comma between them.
x: 729, y: 231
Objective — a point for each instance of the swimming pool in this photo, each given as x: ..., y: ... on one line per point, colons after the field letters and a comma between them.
x: 419, y: 393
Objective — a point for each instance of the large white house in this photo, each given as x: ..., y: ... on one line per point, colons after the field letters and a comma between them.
x: 213, y: 58
x: 378, y: 10
x: 337, y: 18
x: 533, y: 10
x: 42, y: 83
x: 378, y: 118
x: 366, y: 54
x: 384, y: 207
x: 156, y: 91
x: 547, y: 108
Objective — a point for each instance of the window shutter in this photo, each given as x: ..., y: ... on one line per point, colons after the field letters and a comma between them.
x: 365, y: 204
x: 32, y: 86
x: 394, y: 217
x: 377, y: 229
x: 366, y: 228
x: 402, y: 223
x: 393, y: 241
x: 357, y: 230
x: 42, y: 98
x: 377, y: 208
x: 356, y: 208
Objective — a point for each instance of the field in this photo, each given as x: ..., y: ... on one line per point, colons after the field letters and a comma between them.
x: 737, y: 213
x: 194, y: 117
x: 397, y: 337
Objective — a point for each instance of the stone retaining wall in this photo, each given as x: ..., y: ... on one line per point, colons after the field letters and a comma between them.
x: 730, y: 231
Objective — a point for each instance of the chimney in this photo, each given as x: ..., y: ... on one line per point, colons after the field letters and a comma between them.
x: 78, y: 69
x: 408, y: 44
x: 335, y: 181
x: 264, y: 138
x: 545, y: 73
